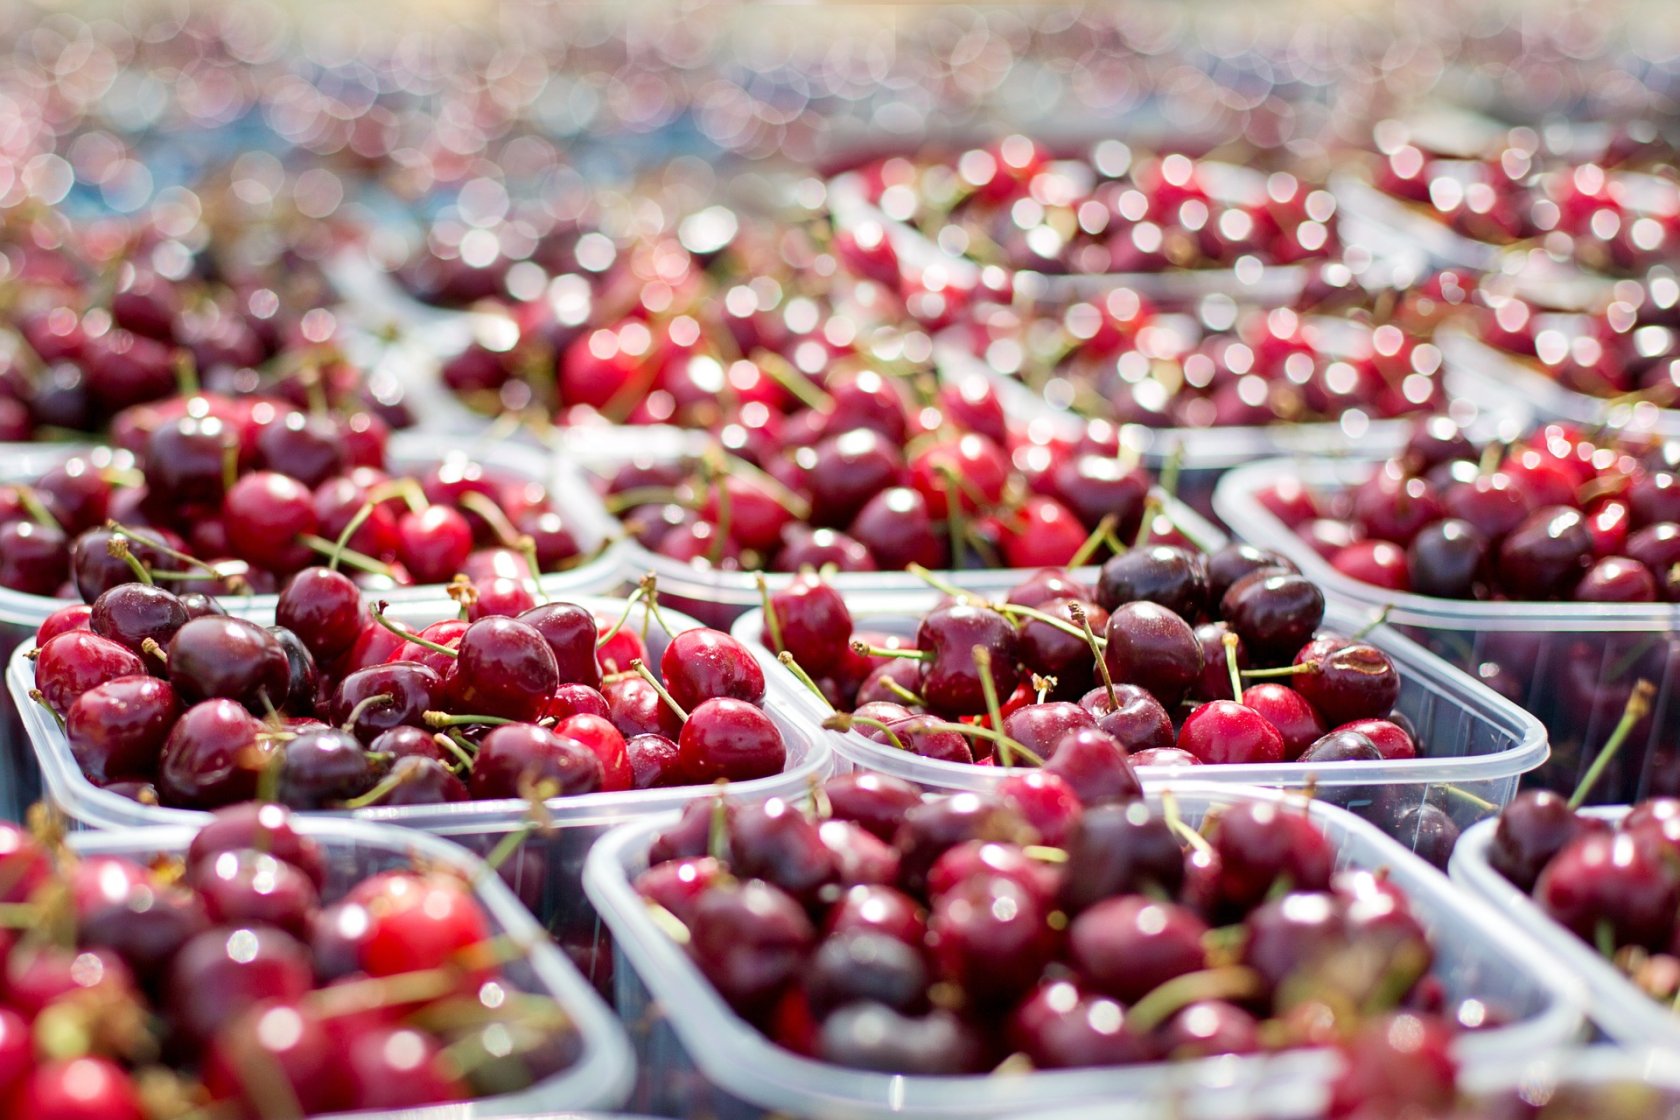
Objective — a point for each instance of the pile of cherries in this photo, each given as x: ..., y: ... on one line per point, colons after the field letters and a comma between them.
x: 165, y: 699
x: 1043, y: 926
x: 89, y: 335
x: 1174, y: 658
x: 1559, y: 515
x: 1118, y: 360
x: 1614, y: 885
x: 869, y: 481
x: 1015, y: 204
x: 233, y: 494
x: 1597, y: 212
x: 253, y: 977
x: 1630, y: 348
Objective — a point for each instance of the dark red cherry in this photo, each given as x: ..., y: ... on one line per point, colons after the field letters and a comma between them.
x: 874, y: 801
x: 1225, y: 731
x: 1621, y: 881
x: 702, y: 664
x: 570, y: 632
x: 750, y: 940
x: 927, y: 831
x: 1154, y: 648
x: 874, y: 1037
x: 259, y: 827
x: 655, y: 761
x: 1546, y: 555
x: 866, y: 966
x: 79, y: 660
x: 731, y: 740
x: 1260, y: 844
x: 1094, y: 765
x: 222, y: 973
x: 1209, y: 1029
x: 1119, y: 849
x: 504, y: 668
x: 1446, y: 558
x: 323, y: 608
x: 1132, y: 715
x: 1127, y: 947
x: 369, y: 702
x: 228, y: 658
x: 213, y: 756
x: 1274, y: 613
x: 117, y: 729
x: 813, y: 623
x: 1172, y: 577
x: 264, y: 514
x: 1060, y: 1025
x: 1288, y: 711
x: 322, y: 768
x: 1353, y: 682
x: 990, y: 936
x: 251, y: 888
x: 515, y: 759
x: 951, y: 676
x: 132, y: 613
x: 1617, y: 579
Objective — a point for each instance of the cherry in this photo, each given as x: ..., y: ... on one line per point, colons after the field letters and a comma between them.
x: 1402, y: 1060
x: 131, y: 613
x: 72, y: 617
x: 1062, y: 1026
x: 79, y: 1089
x: 212, y: 757
x: 1617, y: 880
x: 873, y: 801
x: 1292, y: 935
x: 1545, y: 556
x: 898, y: 528
x: 1391, y: 740
x: 1274, y: 613
x: 1169, y: 576
x: 265, y: 513
x: 655, y: 761
x: 1231, y: 563
x: 517, y: 758
x: 323, y: 608
x: 874, y: 1037
x: 1094, y: 767
x: 504, y: 668
x: 369, y: 702
x: 1260, y: 844
x: 1039, y: 727
x: 927, y: 831
x: 420, y: 922
x: 1224, y: 731
x: 750, y: 940
x: 1342, y: 745
x: 702, y: 664
x: 257, y: 826
x: 1353, y: 682
x: 1153, y: 647
x: 228, y: 658
x: 990, y: 935
x: 812, y: 624
x: 866, y: 967
x: 1127, y: 947
x: 1209, y: 1029
x: 1132, y: 715
x: 323, y: 767
x: 184, y: 460
x: 394, y: 1068
x: 250, y: 888
x: 1446, y: 559
x: 570, y: 631
x: 77, y: 661
x: 1617, y: 579
x: 117, y: 729
x: 433, y: 543
x: 730, y: 740
x: 951, y: 676
x: 221, y: 973
x: 1288, y: 711
x: 294, y: 1050
x: 1117, y: 849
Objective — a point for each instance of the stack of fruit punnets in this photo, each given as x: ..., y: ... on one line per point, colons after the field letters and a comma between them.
x: 1545, y: 568
x: 875, y: 951
x: 264, y: 966
x: 1145, y: 669
x: 1598, y: 889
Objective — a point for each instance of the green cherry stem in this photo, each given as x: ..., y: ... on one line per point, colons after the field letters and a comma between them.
x: 642, y: 671
x: 1638, y: 705
x: 804, y: 678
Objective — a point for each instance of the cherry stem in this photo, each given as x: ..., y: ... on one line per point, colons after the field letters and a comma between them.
x: 358, y: 560
x: 863, y: 647
x: 1638, y: 706
x: 955, y: 524
x: 669, y: 924
x: 1232, y: 982
x: 642, y: 671
x: 1061, y: 624
x: 1151, y: 506
x: 1229, y: 641
x: 1377, y: 620
x: 649, y: 588
x: 787, y: 499
x: 527, y: 547
x: 1171, y: 469
x: 845, y: 721
x: 771, y: 622
x: 903, y: 693
x: 462, y: 756
x: 804, y: 678
x: 172, y: 553
x: 1077, y: 610
x: 715, y: 475
x: 493, y: 515
x: 1176, y: 822
x: 1101, y: 533
x: 1002, y: 741
x: 150, y: 646
x: 343, y: 541
x: 1466, y: 796
x: 717, y: 831
x: 1302, y: 669
x: 230, y: 466
x: 794, y: 380
x: 40, y: 698
x: 387, y: 785
x: 940, y: 583
x: 611, y: 632
x: 648, y: 495
x: 508, y: 845
x: 377, y: 613
x: 117, y: 547
x: 362, y: 707
x: 36, y: 508
x: 988, y: 687
x: 1044, y: 853
x: 450, y: 719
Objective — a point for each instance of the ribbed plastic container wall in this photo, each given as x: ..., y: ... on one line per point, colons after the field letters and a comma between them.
x: 1616, y: 1006
x: 704, y: 1060
x: 1478, y: 743
x: 547, y: 869
x: 1571, y: 665
x: 354, y: 850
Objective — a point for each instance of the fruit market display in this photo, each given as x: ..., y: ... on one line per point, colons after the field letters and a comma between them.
x: 248, y: 976
x: 929, y: 335
x: 168, y: 700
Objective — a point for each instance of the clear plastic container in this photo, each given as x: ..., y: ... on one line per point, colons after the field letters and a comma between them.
x: 1205, y: 454
x: 1479, y: 743
x: 1489, y: 373
x: 354, y: 850
x: 546, y: 872
x: 1443, y: 246
x: 21, y: 614
x: 718, y: 598
x: 702, y: 1059
x: 1616, y: 1006
x: 1572, y: 665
